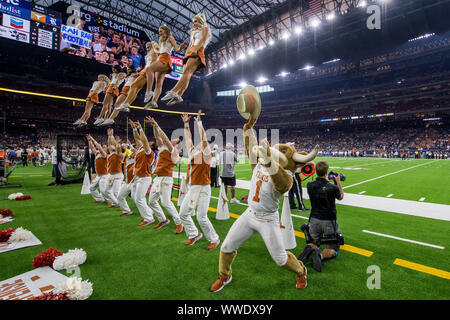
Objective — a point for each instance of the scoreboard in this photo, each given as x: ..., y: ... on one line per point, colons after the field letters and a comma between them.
x: 45, y: 27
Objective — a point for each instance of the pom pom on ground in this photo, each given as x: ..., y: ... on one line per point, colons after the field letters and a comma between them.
x: 72, y: 258
x: 4, y: 213
x: 13, y: 196
x: 46, y: 258
x: 52, y: 296
x: 20, y: 234
x: 75, y: 288
x: 6, y: 234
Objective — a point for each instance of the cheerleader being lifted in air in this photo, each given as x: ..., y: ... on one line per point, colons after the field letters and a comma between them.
x: 193, y: 60
x: 97, y: 87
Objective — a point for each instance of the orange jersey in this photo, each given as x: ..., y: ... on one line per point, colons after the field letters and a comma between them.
x: 101, y: 164
x: 199, y: 173
x: 143, y: 164
x: 114, y: 163
x: 164, y: 167
x: 128, y: 170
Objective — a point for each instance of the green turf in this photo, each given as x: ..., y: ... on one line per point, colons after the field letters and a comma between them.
x: 125, y: 261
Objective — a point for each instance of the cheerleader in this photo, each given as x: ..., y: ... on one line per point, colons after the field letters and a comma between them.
x: 114, y: 166
x: 117, y: 77
x: 92, y: 98
x: 162, y: 66
x: 193, y: 60
x: 128, y: 186
x: 144, y: 159
x: 101, y: 179
x: 131, y: 76
x: 162, y: 184
x: 141, y: 80
x: 199, y: 192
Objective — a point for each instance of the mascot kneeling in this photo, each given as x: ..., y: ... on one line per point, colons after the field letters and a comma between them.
x: 273, y: 168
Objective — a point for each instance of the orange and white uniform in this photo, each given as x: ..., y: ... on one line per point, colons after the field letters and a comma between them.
x: 128, y: 82
x: 101, y: 179
x: 261, y: 216
x: 149, y: 59
x: 196, y: 36
x: 162, y: 186
x: 165, y: 49
x: 127, y: 185
x: 198, y: 197
x: 97, y: 88
x: 142, y: 180
x: 114, y: 169
x: 116, y: 81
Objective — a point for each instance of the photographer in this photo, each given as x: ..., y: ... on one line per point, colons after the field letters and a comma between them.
x: 323, y: 227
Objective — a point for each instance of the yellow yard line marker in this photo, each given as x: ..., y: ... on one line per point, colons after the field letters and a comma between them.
x: 421, y: 268
x: 299, y: 234
x: 83, y: 100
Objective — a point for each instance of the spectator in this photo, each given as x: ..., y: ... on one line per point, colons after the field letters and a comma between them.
x: 101, y: 46
x: 135, y: 56
x: 117, y: 44
x: 105, y: 56
x: 124, y: 61
x: 99, y: 57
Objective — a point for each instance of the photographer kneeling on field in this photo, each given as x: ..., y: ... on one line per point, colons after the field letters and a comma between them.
x: 323, y: 227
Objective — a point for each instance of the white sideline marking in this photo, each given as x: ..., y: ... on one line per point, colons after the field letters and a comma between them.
x: 406, y: 240
x: 385, y: 175
x: 389, y: 195
x: 422, y: 199
x: 294, y: 215
x: 362, y: 192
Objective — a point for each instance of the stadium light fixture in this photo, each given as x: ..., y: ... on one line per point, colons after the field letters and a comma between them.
x: 261, y: 47
x: 231, y: 62
x: 286, y: 35
x: 224, y: 66
x: 271, y: 42
x: 315, y: 23
x: 362, y: 4
x: 251, y: 52
x: 242, y: 84
x: 298, y: 30
x: 331, y: 16
x: 242, y: 56
x: 283, y: 74
x: 261, y: 79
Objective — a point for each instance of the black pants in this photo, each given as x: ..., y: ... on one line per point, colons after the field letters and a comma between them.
x: 24, y: 161
x: 214, y: 175
x: 34, y: 161
x: 296, y: 191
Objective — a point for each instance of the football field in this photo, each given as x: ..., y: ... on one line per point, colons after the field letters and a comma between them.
x: 395, y: 218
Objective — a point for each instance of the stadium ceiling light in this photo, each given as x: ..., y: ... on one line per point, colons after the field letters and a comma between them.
x: 298, y: 30
x: 242, y: 84
x: 261, y: 47
x: 251, y: 52
x: 261, y: 79
x: 242, y: 56
x: 286, y: 35
x: 224, y: 66
x: 231, y: 62
x: 362, y: 4
x: 271, y: 42
x: 315, y: 23
x: 283, y: 74
x: 331, y: 16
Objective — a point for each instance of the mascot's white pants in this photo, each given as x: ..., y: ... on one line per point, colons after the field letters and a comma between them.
x: 124, y: 191
x: 162, y: 189
x: 268, y: 226
x: 99, y: 182
x: 198, y: 197
x: 113, y: 187
x: 141, y: 188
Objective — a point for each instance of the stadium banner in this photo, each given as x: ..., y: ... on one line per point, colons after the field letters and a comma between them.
x: 16, y: 23
x: 95, y: 22
x: 177, y: 63
x: 14, y: 8
x: 75, y: 36
x: 14, y: 34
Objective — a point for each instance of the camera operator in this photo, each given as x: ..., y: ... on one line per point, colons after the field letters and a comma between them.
x: 322, y: 227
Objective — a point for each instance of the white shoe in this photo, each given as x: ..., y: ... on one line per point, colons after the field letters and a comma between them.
x: 169, y: 95
x: 123, y: 107
x: 234, y: 200
x: 148, y: 96
x: 77, y: 122
x: 151, y: 105
x: 98, y: 121
x: 81, y: 124
x: 177, y: 99
x: 107, y: 122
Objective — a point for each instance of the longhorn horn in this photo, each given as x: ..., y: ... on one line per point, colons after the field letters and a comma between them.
x: 297, y: 157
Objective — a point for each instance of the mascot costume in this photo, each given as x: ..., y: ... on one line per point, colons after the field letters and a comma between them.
x: 273, y: 168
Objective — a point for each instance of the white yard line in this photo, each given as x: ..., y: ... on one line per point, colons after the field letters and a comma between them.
x: 422, y: 199
x: 362, y: 192
x: 294, y: 215
x: 389, y: 195
x: 385, y: 175
x: 403, y: 239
